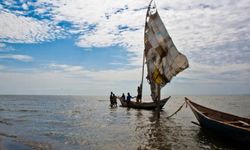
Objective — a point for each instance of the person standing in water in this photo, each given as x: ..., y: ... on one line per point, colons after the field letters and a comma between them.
x: 123, y: 97
x: 112, y: 98
x: 139, y: 94
x: 129, y: 97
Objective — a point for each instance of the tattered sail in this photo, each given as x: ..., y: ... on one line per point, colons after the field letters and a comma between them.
x: 162, y: 57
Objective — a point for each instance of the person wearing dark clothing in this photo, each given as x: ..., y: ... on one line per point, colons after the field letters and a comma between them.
x: 129, y: 97
x: 111, y: 99
x: 123, y: 97
x: 114, y: 100
x: 139, y: 93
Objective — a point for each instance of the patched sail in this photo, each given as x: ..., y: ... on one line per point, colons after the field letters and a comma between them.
x: 162, y: 57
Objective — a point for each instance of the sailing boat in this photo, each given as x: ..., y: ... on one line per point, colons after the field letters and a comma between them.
x: 161, y: 57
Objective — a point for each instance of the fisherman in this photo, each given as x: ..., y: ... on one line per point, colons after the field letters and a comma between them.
x: 123, y: 97
x: 129, y: 97
x: 111, y: 99
x: 114, y: 100
x: 139, y: 93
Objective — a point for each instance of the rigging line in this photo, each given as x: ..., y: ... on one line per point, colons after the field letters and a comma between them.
x: 176, y: 110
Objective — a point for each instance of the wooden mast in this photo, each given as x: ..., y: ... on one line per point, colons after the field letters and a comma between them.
x: 143, y: 60
x: 141, y: 85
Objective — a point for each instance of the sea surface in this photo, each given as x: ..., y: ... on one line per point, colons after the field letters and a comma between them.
x: 81, y: 122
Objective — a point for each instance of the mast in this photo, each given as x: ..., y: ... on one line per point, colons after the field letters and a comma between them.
x: 143, y: 59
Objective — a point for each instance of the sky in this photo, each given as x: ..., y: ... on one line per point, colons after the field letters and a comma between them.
x: 92, y: 47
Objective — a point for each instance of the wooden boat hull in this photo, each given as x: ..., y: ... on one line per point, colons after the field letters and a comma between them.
x: 226, y: 125
x: 145, y: 105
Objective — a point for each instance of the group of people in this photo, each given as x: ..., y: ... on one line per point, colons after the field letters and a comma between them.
x: 113, y: 98
x: 128, y: 99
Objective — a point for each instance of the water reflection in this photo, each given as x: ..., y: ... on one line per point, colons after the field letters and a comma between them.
x: 154, y: 130
x: 158, y: 132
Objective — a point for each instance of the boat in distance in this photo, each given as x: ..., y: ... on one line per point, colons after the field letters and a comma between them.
x: 226, y: 125
x: 144, y: 105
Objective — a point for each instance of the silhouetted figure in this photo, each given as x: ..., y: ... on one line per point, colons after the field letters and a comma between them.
x: 129, y: 97
x: 123, y: 97
x: 113, y: 101
x: 139, y: 94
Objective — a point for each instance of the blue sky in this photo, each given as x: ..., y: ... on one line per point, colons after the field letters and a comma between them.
x: 92, y: 48
x: 64, y: 51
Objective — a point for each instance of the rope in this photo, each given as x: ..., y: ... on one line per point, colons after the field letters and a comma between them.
x: 177, y: 110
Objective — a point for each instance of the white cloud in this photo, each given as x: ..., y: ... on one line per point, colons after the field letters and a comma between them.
x: 25, y: 6
x: 230, y: 73
x: 68, y: 69
x: 201, y: 24
x: 193, y: 25
x: 106, y: 32
x: 19, y: 29
x: 24, y: 58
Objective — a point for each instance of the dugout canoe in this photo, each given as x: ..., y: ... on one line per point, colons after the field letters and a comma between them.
x: 223, y: 124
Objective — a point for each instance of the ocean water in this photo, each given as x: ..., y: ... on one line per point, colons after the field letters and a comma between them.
x: 80, y: 122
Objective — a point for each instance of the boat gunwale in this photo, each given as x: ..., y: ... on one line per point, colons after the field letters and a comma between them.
x: 164, y: 101
x: 190, y: 103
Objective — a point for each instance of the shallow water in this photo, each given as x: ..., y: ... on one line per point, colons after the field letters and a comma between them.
x: 80, y: 122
